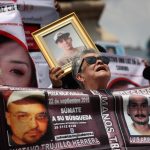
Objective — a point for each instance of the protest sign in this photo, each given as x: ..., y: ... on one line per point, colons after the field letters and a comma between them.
x: 29, y: 15
x: 11, y: 23
x: 133, y: 116
x: 126, y: 72
x: 36, y: 14
x: 73, y: 119
x: 56, y: 122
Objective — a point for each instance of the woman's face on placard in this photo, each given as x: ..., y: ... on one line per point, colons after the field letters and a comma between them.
x: 15, y: 65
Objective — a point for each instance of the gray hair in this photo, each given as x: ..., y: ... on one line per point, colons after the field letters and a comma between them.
x: 76, y: 62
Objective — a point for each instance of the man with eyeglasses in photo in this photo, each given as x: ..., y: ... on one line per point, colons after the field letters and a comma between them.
x: 89, y: 68
x: 27, y: 117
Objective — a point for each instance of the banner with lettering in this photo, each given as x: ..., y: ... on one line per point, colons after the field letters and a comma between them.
x: 132, y: 112
x: 44, y: 119
x: 35, y: 14
x: 52, y: 119
x: 126, y: 72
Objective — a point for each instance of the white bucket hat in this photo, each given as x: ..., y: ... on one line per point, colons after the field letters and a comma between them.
x: 60, y: 35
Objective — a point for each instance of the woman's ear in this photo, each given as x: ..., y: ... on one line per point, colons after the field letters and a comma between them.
x: 7, y: 118
x: 128, y: 111
x: 80, y: 77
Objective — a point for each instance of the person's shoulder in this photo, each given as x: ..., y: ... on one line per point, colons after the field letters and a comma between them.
x: 64, y: 60
x: 132, y: 130
x: 81, y: 48
x: 61, y: 61
x: 11, y: 142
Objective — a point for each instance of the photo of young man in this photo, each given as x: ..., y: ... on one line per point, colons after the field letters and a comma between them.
x: 65, y: 42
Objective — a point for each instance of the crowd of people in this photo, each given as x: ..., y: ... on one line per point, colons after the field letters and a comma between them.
x: 90, y: 71
x: 17, y: 68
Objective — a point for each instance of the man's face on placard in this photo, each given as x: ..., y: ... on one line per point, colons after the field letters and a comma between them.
x: 138, y: 109
x: 28, y: 122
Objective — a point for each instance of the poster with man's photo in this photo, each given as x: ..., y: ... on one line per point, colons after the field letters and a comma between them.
x: 52, y: 119
x: 132, y: 110
x: 57, y: 119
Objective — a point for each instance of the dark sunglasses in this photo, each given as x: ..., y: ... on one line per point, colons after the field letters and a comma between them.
x: 92, y: 60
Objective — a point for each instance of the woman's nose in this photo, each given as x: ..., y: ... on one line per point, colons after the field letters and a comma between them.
x: 99, y: 61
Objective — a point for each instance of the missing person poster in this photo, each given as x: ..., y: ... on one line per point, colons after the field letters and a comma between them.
x: 133, y: 107
x: 57, y: 119
x: 77, y: 121
x: 126, y: 72
x: 52, y: 120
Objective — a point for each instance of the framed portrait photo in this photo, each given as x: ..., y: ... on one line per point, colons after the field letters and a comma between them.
x: 61, y: 40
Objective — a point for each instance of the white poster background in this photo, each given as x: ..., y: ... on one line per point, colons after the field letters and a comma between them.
x: 35, y: 11
x: 42, y: 70
x: 127, y: 67
x: 40, y: 12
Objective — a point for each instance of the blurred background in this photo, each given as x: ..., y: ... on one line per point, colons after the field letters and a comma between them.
x: 123, y: 22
